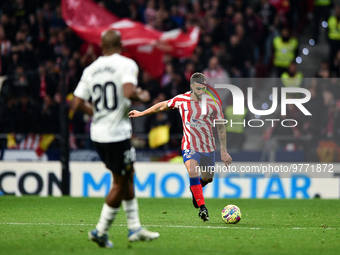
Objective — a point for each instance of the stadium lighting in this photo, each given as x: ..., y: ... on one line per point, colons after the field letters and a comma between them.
x: 298, y: 60
x: 311, y: 42
x: 305, y: 51
x: 271, y: 97
x: 264, y: 106
x: 324, y: 24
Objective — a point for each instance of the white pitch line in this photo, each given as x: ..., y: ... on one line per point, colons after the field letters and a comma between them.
x: 174, y: 226
x: 117, y: 225
x: 156, y: 226
x: 40, y: 223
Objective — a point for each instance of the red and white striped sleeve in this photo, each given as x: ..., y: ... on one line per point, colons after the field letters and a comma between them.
x: 178, y: 100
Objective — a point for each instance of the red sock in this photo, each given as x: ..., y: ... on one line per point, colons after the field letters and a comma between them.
x: 198, y: 194
x: 203, y: 183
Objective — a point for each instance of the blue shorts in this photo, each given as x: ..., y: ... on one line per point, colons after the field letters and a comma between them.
x: 203, y: 159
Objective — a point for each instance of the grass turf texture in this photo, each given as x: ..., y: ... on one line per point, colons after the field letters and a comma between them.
x: 60, y: 225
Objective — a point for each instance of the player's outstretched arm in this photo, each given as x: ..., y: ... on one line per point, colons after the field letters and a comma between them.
x: 79, y: 104
x: 162, y: 106
x: 222, y: 135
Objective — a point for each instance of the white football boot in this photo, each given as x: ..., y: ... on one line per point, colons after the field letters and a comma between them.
x: 142, y: 234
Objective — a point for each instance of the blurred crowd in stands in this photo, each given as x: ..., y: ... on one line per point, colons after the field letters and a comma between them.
x: 239, y: 38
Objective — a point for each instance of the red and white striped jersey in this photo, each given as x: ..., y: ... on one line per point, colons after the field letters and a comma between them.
x: 197, y: 127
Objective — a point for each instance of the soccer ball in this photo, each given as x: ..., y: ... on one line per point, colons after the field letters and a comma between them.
x: 231, y: 214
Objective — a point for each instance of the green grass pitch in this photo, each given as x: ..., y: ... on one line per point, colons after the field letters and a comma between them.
x: 35, y: 225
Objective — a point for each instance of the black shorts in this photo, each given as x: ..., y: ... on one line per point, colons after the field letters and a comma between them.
x: 118, y: 156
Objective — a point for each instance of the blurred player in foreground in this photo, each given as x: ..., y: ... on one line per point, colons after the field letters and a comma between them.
x: 111, y: 82
x: 198, y: 142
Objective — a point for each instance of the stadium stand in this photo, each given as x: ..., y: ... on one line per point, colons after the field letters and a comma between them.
x: 237, y: 40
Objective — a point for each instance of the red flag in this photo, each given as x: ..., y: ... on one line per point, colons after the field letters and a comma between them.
x: 141, y: 42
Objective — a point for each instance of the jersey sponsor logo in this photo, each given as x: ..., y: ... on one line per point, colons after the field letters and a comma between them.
x: 195, y: 124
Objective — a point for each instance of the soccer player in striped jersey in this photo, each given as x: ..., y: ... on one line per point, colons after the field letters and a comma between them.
x: 198, y: 142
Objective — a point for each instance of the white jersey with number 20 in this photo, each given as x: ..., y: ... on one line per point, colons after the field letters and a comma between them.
x: 103, y: 81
